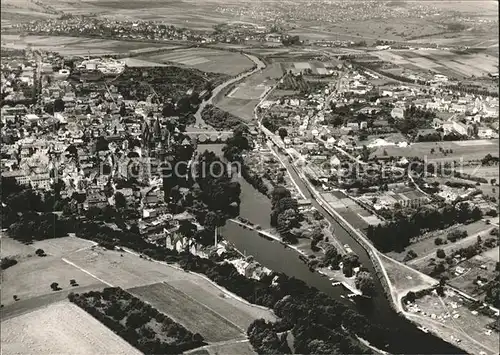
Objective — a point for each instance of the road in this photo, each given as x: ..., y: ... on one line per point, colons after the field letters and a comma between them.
x: 260, y: 65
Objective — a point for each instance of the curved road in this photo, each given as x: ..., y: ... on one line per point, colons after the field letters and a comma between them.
x: 260, y: 65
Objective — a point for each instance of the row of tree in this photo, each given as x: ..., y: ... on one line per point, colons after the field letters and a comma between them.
x: 397, y: 234
x: 265, y: 339
x: 131, y: 318
x: 218, y: 118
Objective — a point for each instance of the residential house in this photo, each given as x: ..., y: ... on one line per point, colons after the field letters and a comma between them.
x: 95, y: 198
x: 485, y: 133
x: 458, y: 108
x: 398, y: 113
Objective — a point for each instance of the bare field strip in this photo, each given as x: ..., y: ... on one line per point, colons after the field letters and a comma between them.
x: 195, y: 316
x: 61, y: 328
x: 235, y: 311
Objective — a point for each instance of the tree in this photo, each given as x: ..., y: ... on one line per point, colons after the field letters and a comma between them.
x: 286, y: 221
x: 54, y: 286
x: 8, y: 262
x: 282, y: 132
x: 364, y: 283
x: 410, y: 255
x: 332, y: 257
x: 120, y: 200
x: 438, y: 241
x: 278, y: 193
x: 123, y: 110
x: 186, y: 228
x: 40, y: 252
x: 440, y: 253
x: 211, y: 221
x: 58, y: 105
x: 411, y: 297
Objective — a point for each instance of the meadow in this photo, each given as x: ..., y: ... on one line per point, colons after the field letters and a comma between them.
x: 31, y: 277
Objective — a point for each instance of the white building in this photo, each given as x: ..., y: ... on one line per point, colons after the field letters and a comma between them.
x: 398, y: 113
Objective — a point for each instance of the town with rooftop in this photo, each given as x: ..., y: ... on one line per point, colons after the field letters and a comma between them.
x: 279, y: 177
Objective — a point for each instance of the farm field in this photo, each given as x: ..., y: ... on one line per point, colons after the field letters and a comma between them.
x: 468, y: 150
x: 426, y: 244
x: 443, y: 62
x: 79, y: 46
x: 208, y: 60
x: 242, y: 100
x: 47, y: 331
x: 240, y: 314
x: 185, y: 13
x: 194, y: 315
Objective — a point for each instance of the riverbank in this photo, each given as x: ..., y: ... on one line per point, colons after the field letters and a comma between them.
x: 336, y: 276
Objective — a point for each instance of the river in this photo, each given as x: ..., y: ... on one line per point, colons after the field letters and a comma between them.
x: 256, y: 207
